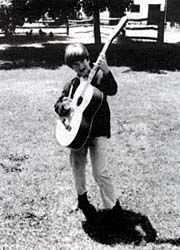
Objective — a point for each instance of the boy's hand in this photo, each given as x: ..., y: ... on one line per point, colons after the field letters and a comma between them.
x: 102, y: 63
x: 62, y: 107
x: 66, y: 103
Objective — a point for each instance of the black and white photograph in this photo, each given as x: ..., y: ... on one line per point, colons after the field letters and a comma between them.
x: 89, y: 124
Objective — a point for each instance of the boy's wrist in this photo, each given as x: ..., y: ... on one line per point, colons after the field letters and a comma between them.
x: 106, y: 71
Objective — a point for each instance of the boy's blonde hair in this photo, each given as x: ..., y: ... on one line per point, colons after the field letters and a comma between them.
x: 75, y: 52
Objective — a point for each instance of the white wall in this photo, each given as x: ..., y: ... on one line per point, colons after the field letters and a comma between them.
x: 144, y: 7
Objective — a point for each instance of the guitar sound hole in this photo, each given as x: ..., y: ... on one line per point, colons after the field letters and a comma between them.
x: 79, y: 101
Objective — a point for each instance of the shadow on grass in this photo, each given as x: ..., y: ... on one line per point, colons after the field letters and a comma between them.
x: 120, y: 226
x: 23, y: 39
x: 138, y: 56
x: 29, y: 52
x: 174, y: 242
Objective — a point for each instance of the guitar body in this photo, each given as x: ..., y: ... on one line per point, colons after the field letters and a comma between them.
x: 73, y: 131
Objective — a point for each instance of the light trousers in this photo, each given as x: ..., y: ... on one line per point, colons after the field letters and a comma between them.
x: 98, y: 154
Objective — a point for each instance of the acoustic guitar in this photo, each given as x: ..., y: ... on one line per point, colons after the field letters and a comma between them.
x: 73, y: 130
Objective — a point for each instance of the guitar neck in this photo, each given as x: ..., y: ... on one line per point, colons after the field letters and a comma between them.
x: 115, y: 32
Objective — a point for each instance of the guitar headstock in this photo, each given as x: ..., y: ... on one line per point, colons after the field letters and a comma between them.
x: 119, y: 26
x: 115, y: 32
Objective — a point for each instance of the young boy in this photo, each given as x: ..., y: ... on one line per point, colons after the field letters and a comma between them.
x: 77, y: 58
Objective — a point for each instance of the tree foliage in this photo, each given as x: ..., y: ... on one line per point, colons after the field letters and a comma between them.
x: 89, y: 6
x: 118, y: 9
x: 35, y: 9
x: 173, y: 10
x: 116, y: 6
x: 7, y: 22
x: 15, y: 12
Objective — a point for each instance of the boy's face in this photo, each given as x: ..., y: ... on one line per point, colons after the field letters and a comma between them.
x: 82, y: 68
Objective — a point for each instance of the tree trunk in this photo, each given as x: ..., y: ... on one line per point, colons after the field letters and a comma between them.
x: 97, y: 33
x: 161, y: 27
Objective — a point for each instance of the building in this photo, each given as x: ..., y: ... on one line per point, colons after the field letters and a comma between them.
x: 148, y: 9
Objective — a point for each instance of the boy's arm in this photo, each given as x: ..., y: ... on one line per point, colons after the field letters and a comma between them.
x: 106, y: 83
x: 59, y: 106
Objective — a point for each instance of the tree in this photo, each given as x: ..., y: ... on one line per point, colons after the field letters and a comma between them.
x: 9, y: 17
x: 117, y: 8
x: 35, y: 9
x: 15, y: 12
x: 93, y: 7
x: 12, y: 13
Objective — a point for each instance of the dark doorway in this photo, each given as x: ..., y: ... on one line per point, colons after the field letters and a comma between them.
x: 153, y: 13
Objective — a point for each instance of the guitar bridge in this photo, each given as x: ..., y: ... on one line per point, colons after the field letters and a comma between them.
x: 67, y: 126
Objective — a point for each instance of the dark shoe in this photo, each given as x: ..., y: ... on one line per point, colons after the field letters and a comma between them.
x: 117, y: 208
x: 111, y: 217
x: 88, y: 209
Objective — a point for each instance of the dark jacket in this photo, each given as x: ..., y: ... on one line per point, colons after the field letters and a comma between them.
x: 101, y: 122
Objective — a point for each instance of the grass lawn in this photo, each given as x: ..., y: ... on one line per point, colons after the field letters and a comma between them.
x: 37, y: 195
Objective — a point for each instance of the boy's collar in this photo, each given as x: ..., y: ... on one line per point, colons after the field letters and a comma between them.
x: 85, y: 77
x: 82, y: 77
